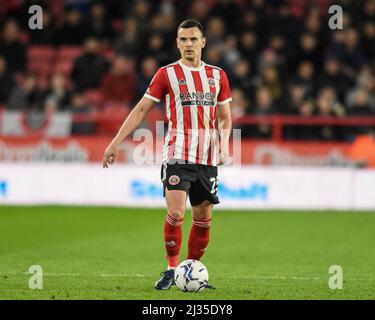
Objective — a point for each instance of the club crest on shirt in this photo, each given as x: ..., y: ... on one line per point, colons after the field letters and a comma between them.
x: 174, y: 180
x: 211, y: 82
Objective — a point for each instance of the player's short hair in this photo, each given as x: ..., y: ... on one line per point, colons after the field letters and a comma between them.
x: 191, y: 24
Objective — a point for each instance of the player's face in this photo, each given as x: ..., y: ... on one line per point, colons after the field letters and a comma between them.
x: 190, y: 41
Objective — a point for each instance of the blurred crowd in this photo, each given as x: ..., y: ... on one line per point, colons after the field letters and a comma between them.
x: 281, y: 57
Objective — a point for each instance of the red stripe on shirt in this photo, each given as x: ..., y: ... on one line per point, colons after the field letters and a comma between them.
x: 185, y: 111
x: 200, y: 111
x: 173, y: 119
x: 209, y: 74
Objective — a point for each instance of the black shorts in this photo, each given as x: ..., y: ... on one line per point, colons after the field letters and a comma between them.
x: 197, y: 180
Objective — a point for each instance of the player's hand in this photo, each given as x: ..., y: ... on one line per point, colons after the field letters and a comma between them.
x: 110, y: 155
x: 224, y: 158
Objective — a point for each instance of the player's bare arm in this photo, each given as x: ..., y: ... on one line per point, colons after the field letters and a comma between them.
x: 132, y: 121
x: 225, y: 128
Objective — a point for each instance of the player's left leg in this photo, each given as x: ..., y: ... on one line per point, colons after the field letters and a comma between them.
x: 200, y: 229
x: 203, y: 196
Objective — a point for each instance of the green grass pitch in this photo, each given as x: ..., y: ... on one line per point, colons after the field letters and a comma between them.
x: 118, y: 253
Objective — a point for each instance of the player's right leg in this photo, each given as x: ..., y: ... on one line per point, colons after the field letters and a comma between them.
x: 176, y: 204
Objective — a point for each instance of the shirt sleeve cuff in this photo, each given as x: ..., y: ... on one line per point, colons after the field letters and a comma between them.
x: 225, y: 101
x: 151, y: 97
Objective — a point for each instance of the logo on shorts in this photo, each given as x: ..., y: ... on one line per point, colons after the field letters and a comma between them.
x: 173, y: 180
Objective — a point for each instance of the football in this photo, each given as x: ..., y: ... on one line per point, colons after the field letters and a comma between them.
x: 191, y: 276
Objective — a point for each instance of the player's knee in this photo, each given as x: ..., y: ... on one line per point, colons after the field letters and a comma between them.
x: 176, y: 213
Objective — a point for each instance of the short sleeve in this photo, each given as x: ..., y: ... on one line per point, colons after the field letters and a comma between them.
x: 158, y: 87
x: 224, y: 94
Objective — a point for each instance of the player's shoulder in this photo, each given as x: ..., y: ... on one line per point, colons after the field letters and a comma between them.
x: 211, y: 66
x: 168, y: 65
x: 221, y: 71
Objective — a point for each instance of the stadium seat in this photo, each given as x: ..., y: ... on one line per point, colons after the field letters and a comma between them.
x: 64, y: 67
x: 44, y: 53
x: 40, y: 60
x: 94, y: 98
x: 108, y: 53
x: 40, y: 68
x: 111, y: 118
x: 57, y: 10
x: 117, y: 25
x: 69, y: 53
x: 24, y: 37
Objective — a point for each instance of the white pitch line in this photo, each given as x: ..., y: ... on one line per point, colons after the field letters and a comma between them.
x: 139, y: 275
x: 104, y: 275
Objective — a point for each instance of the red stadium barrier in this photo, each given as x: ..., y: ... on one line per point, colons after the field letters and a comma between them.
x: 279, y: 121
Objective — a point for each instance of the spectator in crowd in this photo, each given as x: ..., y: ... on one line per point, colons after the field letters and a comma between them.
x: 307, y: 132
x: 333, y: 76
x: 26, y: 96
x: 141, y: 13
x: 58, y: 92
x: 269, y: 58
x: 277, y: 43
x: 90, y: 67
x: 230, y: 52
x: 215, y: 32
x: 305, y: 77
x: 280, y: 47
x: 313, y: 25
x: 6, y: 81
x: 240, y: 104
x: 307, y: 50
x: 360, y: 104
x: 230, y: 13
x: 248, y: 46
x: 50, y: 106
x: 264, y: 107
x: 79, y: 106
x: 296, y: 102
x: 98, y: 25
x: 47, y: 35
x: 239, y: 108
x: 328, y: 105
x: 242, y: 78
x: 156, y: 47
x: 198, y: 10
x: 270, y: 79
x: 294, y: 98
x: 352, y: 56
x: 368, y: 40
x: 73, y: 31
x: 363, y: 94
x: 129, y: 40
x: 12, y: 49
x: 118, y: 85
x: 250, y: 21
x: 282, y: 18
x: 148, y: 69
x: 212, y: 55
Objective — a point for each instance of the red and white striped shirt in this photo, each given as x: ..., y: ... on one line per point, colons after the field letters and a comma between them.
x: 192, y: 96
